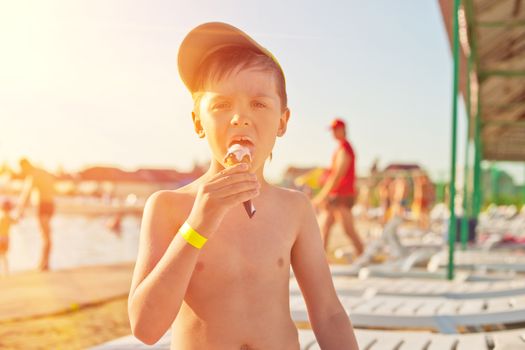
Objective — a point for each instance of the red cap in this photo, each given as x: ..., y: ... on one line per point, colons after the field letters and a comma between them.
x: 336, y: 123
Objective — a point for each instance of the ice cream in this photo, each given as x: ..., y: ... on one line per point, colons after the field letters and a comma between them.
x: 238, y: 153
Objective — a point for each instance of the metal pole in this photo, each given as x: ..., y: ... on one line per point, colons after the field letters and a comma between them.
x: 452, y: 222
x: 523, y: 190
x: 466, y: 210
x: 476, y: 198
x: 494, y: 183
x: 478, y: 146
x: 466, y: 203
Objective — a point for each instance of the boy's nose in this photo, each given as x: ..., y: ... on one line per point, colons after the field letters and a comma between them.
x: 239, y: 120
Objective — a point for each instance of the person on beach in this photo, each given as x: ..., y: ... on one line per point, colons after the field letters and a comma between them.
x: 6, y: 221
x: 424, y: 196
x: 338, y: 194
x: 114, y: 224
x: 43, y: 183
x: 400, y: 191
x: 367, y: 190
x: 385, y: 196
x: 218, y: 278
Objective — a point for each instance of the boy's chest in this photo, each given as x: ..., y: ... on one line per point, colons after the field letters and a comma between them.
x: 243, y: 248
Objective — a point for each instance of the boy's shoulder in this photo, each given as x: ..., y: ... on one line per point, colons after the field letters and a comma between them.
x: 293, y: 207
x: 172, y: 199
x: 291, y: 197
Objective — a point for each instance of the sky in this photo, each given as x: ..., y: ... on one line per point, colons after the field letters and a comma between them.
x: 93, y: 82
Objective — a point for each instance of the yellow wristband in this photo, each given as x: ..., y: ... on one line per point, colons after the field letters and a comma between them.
x: 192, y: 236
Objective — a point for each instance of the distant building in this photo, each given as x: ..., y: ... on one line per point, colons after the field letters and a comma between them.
x: 116, y: 182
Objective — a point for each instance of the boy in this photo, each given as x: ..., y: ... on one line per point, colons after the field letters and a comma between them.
x: 5, y: 224
x: 219, y: 278
x: 424, y: 195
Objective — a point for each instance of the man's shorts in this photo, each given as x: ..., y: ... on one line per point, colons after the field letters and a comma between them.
x: 46, y: 209
x: 345, y: 200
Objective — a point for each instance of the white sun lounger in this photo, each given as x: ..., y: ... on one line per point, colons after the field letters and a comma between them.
x: 346, y: 286
x: 480, y: 260
x: 406, y: 257
x: 394, y: 271
x: 391, y: 340
x: 435, y: 257
x: 375, y: 340
x: 441, y: 314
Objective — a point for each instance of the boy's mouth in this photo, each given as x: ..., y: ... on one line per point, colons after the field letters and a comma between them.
x: 243, y: 141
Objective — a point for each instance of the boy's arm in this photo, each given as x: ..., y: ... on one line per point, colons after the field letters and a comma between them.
x: 329, y: 320
x: 341, y: 164
x: 166, y: 261
x: 164, y: 266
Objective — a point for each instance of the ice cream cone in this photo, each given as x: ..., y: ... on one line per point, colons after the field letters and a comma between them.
x: 240, y: 154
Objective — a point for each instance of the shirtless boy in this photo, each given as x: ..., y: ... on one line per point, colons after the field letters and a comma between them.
x: 218, y: 278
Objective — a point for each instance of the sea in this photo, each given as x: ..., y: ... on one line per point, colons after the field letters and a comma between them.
x: 77, y: 240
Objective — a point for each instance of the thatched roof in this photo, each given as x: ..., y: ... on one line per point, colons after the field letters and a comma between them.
x: 496, y: 38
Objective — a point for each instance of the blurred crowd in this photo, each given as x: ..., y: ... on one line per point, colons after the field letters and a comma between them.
x: 410, y: 194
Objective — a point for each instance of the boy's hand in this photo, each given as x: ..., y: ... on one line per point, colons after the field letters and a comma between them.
x: 227, y: 189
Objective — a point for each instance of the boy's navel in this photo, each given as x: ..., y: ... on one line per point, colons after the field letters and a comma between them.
x: 280, y: 262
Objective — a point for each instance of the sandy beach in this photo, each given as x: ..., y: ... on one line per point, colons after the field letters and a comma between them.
x: 79, y: 329
x: 48, y: 318
x: 73, y: 308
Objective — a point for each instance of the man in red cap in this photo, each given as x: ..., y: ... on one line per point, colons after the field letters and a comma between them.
x: 338, y: 194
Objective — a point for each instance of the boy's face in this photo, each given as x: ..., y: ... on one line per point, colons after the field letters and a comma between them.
x: 244, y: 104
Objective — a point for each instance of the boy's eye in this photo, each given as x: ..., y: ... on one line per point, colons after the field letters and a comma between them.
x: 258, y: 104
x: 221, y: 105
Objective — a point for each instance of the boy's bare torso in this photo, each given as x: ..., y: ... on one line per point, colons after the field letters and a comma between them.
x: 238, y: 297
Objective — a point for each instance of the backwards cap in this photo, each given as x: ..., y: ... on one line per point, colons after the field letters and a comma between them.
x: 207, y: 38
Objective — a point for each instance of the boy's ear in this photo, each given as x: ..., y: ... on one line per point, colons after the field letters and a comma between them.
x: 197, y: 125
x: 283, y: 122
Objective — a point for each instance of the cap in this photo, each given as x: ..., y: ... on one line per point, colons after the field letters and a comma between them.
x: 337, y: 123
x: 207, y: 38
